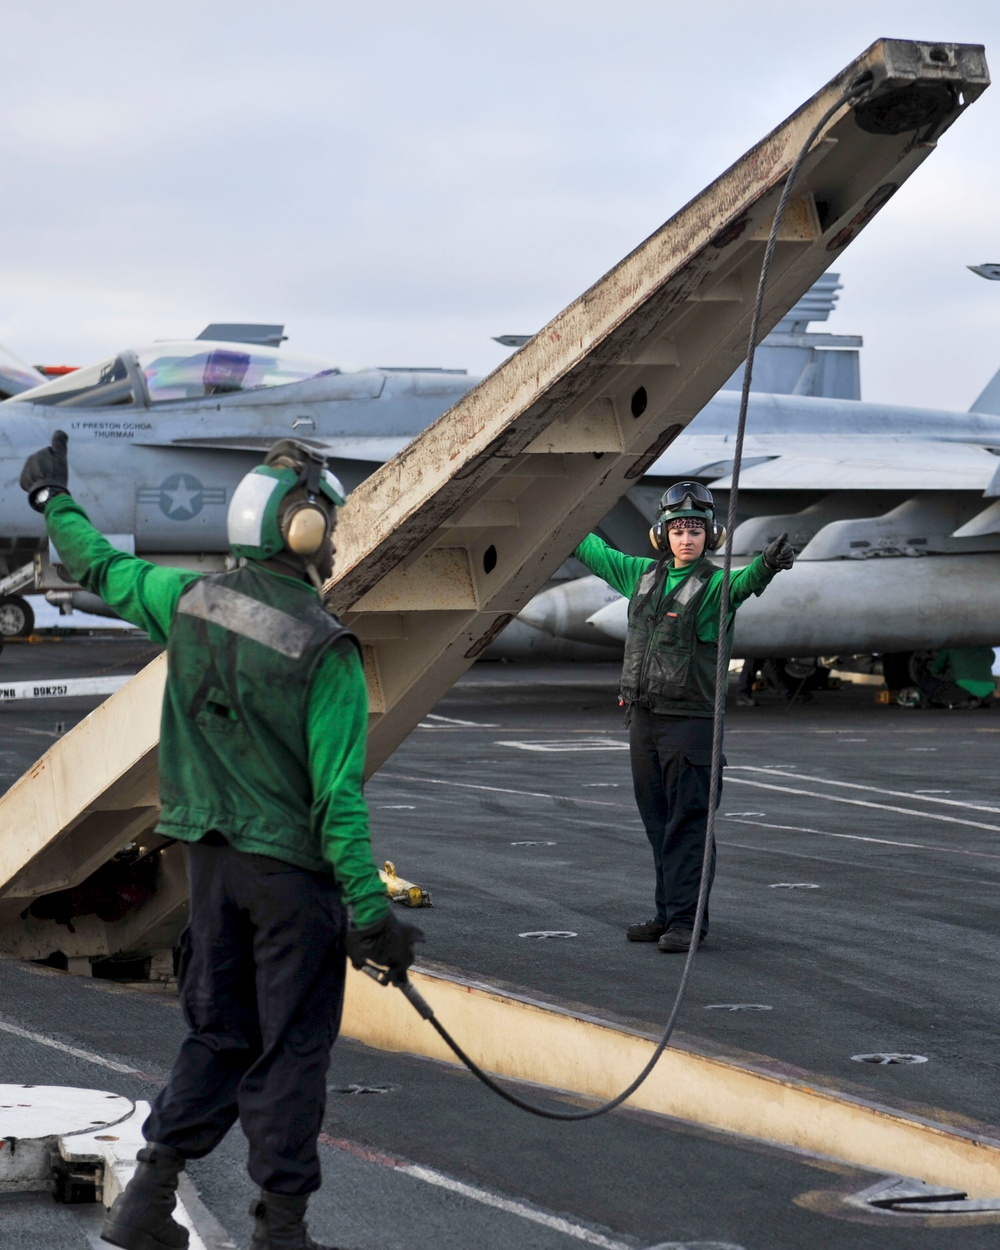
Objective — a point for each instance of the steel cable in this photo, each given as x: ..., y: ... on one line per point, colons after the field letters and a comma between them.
x: 857, y: 90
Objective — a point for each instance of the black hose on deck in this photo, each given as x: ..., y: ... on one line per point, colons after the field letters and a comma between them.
x: 855, y: 92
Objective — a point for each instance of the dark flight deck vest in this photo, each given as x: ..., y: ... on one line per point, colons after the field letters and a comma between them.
x: 241, y: 654
x: 667, y: 668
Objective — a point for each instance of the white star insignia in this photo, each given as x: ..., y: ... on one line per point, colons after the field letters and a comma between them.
x: 180, y: 498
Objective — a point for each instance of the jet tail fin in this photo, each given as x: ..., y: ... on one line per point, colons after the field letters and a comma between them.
x: 794, y: 361
x: 989, y: 399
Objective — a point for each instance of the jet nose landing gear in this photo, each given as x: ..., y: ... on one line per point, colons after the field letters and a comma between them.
x: 17, y: 619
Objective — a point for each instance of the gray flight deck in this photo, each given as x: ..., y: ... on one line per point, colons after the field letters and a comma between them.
x: 895, y: 950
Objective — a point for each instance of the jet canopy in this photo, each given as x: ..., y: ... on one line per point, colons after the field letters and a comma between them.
x: 176, y: 371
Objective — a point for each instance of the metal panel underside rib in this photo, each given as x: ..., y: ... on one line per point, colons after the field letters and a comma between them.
x: 449, y: 539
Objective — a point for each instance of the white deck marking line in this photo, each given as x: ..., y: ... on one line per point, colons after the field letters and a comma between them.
x: 195, y: 1241
x: 76, y: 1052
x: 431, y: 1176
x: 858, y: 837
x: 926, y: 795
x: 566, y: 746
x: 881, y: 807
x: 452, y: 720
x: 731, y: 780
x: 90, y: 1221
x: 470, y: 785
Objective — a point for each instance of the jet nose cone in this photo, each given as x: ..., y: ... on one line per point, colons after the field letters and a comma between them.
x: 545, y: 610
x: 563, y: 610
x: 611, y: 620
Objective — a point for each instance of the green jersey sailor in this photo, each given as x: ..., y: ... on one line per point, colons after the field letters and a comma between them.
x: 668, y: 689
x: 262, y: 751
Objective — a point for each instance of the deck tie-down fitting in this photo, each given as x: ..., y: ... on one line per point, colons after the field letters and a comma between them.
x: 907, y: 1196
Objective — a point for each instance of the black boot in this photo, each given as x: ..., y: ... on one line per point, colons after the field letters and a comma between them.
x: 141, y: 1218
x: 279, y: 1223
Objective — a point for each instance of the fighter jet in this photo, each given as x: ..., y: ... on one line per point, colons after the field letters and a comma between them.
x: 160, y: 435
x: 894, y: 513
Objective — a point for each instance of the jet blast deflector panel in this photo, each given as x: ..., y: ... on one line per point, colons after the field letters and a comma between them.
x: 448, y: 540
x: 556, y: 435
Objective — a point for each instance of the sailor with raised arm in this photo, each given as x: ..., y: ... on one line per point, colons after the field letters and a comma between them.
x: 262, y: 751
x: 668, y: 689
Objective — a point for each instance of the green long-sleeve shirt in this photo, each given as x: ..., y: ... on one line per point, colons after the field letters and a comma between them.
x: 969, y: 667
x: 623, y: 573
x: 147, y: 595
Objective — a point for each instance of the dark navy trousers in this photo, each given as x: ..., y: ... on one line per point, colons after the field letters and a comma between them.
x: 262, y: 987
x: 671, y: 775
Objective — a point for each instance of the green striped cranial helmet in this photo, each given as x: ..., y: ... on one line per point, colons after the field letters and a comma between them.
x: 287, y: 504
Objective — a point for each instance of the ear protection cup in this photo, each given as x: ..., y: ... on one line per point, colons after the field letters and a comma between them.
x: 305, y: 527
x: 658, y: 537
x: 716, y: 537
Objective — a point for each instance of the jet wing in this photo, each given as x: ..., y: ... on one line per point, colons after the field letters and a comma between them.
x: 710, y: 455
x: 862, y: 464
x: 831, y: 462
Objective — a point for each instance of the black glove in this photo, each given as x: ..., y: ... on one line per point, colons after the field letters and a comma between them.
x: 46, y: 473
x: 388, y: 942
x: 779, y: 555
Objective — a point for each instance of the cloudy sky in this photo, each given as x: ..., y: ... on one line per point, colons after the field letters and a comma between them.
x: 398, y: 182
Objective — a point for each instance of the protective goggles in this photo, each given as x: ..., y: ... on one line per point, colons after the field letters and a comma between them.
x: 680, y: 493
x: 311, y: 467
